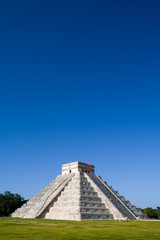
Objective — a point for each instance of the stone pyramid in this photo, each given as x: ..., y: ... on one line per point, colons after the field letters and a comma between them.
x: 78, y: 194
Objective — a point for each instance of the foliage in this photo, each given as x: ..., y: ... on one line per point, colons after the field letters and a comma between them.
x: 9, y: 202
x: 33, y: 229
x: 152, y: 213
x: 158, y: 212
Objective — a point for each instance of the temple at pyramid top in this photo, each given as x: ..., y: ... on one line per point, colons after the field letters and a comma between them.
x: 75, y: 167
x: 78, y: 194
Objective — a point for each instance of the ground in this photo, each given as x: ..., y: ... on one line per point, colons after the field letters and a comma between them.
x: 38, y: 229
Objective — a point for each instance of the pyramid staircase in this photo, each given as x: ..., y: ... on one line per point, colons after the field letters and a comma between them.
x: 132, y: 208
x: 77, y: 201
x: 116, y: 200
x: 78, y: 194
x: 36, y: 205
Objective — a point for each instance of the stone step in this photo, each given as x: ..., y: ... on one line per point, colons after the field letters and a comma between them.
x: 129, y: 204
x: 65, y: 204
x: 90, y: 198
x: 137, y: 213
x: 64, y: 209
x: 81, y: 204
x: 76, y: 185
x: 76, y: 192
x: 73, y: 198
x: 122, y: 198
x: 88, y: 193
x: 105, y: 183
x: 19, y: 211
x: 126, y: 202
x: 77, y: 209
x: 116, y: 192
x: 94, y: 210
x: 133, y: 208
x: 62, y: 216
x: 68, y: 198
x: 92, y: 204
x: 86, y: 188
x: 94, y: 216
x: 85, y: 184
x: 80, y: 188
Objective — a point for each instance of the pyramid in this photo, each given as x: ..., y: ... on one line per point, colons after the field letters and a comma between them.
x: 78, y: 194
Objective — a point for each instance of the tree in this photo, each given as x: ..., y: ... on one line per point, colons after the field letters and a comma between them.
x: 158, y: 212
x: 9, y: 202
x: 151, y: 213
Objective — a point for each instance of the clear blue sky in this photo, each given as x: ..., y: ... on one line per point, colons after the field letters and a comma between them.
x: 80, y: 80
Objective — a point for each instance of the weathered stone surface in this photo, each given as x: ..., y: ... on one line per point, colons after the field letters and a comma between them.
x: 78, y: 201
x: 39, y: 202
x: 78, y: 194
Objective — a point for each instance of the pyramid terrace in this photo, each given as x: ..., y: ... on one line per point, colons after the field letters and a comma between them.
x: 78, y: 194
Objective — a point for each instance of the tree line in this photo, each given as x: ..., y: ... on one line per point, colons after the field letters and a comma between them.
x: 9, y: 202
x: 152, y: 213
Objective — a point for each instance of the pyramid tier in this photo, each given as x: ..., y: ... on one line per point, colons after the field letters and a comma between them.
x: 34, y: 206
x: 78, y: 194
x: 78, y: 197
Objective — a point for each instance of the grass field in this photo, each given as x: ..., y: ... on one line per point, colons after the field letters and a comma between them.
x: 37, y: 229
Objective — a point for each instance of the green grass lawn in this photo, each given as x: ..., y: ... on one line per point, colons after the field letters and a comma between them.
x: 35, y: 229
